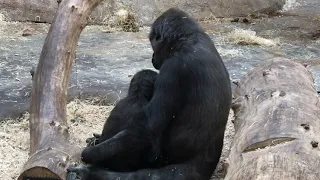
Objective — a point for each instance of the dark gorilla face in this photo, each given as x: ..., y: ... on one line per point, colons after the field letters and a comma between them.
x: 168, y: 34
x: 154, y: 62
x: 157, y: 61
x: 159, y: 52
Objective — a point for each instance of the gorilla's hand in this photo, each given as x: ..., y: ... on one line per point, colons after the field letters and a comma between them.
x: 92, y: 141
x: 78, y: 172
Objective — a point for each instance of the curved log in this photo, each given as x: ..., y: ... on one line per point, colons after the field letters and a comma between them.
x: 50, y: 148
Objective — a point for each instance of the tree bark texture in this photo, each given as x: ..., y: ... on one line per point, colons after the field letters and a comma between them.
x: 50, y: 148
x: 277, y: 124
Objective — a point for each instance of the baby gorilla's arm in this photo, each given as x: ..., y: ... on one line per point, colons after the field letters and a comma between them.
x: 92, y: 141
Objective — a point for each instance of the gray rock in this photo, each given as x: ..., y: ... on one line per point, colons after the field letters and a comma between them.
x: 145, y: 10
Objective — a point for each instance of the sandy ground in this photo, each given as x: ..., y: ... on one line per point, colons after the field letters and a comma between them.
x: 84, y: 118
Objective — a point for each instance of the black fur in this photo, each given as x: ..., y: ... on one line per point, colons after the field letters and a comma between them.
x: 139, y: 94
x: 187, y: 113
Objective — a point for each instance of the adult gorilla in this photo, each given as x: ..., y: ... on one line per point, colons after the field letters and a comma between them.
x: 188, y: 111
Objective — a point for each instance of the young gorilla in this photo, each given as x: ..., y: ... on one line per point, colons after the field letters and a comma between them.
x: 139, y: 94
x: 189, y: 108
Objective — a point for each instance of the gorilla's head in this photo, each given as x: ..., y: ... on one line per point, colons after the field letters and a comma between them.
x: 142, y: 83
x: 168, y: 32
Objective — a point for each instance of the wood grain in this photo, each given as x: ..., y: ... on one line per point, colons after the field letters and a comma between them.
x: 277, y: 124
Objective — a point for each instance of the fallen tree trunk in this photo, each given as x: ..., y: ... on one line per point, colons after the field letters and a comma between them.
x: 50, y: 148
x: 277, y: 124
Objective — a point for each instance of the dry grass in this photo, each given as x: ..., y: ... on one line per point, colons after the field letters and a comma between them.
x: 122, y: 20
x: 221, y: 169
x: 3, y: 23
x: 14, y: 146
x: 84, y: 118
x: 19, y: 30
x: 290, y: 4
x: 126, y: 20
x: 248, y: 37
x: 2, y: 18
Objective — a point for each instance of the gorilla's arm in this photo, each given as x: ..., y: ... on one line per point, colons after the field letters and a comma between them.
x: 164, y: 105
x: 106, y: 149
x: 167, y: 100
x: 127, y: 140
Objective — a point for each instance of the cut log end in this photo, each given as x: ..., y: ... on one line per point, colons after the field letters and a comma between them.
x: 38, y: 172
x: 50, y: 163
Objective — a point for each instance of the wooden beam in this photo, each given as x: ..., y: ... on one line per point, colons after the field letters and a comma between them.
x: 50, y: 148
